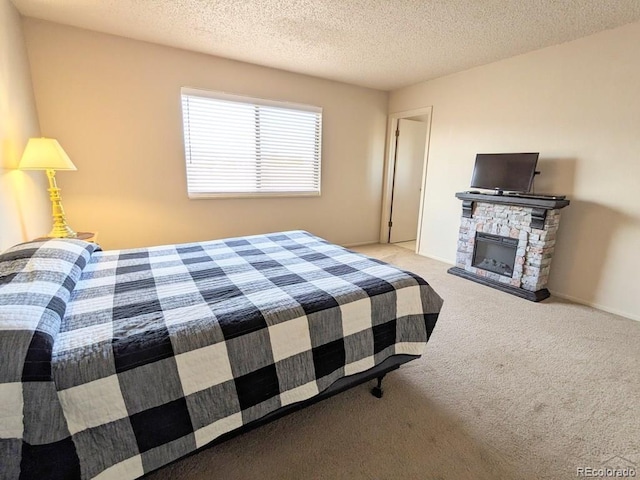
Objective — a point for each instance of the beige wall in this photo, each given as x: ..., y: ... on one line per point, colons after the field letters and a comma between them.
x: 24, y: 205
x: 114, y: 105
x: 578, y: 104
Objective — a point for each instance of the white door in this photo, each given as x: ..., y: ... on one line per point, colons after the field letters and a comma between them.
x: 405, y: 205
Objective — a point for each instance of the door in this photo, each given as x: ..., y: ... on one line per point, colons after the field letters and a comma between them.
x: 407, y: 180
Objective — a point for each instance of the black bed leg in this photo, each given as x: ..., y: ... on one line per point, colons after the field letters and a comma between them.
x: 377, y: 390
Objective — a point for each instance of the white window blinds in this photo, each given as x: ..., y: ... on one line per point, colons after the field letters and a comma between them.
x: 237, y: 146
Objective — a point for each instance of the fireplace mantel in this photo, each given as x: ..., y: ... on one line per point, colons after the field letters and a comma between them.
x: 537, y: 201
x: 539, y: 204
x: 532, y: 220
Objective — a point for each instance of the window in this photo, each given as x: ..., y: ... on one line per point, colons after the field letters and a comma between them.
x: 242, y: 146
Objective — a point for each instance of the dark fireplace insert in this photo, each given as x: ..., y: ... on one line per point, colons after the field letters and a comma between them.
x: 495, y: 253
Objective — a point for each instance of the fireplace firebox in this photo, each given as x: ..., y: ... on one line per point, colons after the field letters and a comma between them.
x: 495, y: 253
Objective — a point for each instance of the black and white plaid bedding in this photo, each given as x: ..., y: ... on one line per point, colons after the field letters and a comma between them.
x: 115, y: 363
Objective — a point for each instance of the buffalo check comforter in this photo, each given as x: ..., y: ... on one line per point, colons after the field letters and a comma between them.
x: 114, y: 363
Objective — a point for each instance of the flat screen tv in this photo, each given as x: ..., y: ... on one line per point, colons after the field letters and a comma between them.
x: 511, y: 172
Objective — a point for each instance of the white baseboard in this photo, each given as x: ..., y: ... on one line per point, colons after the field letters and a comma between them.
x: 604, y: 308
x: 360, y: 244
x: 580, y: 301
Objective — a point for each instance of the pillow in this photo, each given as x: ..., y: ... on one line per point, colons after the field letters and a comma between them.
x: 36, y: 281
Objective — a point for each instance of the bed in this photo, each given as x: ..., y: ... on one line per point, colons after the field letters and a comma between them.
x: 115, y: 363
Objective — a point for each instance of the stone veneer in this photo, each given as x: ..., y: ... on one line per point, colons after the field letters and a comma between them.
x: 535, y: 246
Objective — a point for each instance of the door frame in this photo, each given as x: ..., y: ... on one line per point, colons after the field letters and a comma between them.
x: 387, y: 181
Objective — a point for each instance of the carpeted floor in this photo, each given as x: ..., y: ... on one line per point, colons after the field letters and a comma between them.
x: 409, y: 245
x: 508, y: 389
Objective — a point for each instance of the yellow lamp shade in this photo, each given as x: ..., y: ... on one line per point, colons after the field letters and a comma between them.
x: 45, y: 154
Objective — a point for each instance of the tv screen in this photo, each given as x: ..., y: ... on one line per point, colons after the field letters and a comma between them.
x: 511, y: 172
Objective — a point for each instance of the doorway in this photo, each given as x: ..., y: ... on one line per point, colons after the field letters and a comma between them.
x: 405, y: 173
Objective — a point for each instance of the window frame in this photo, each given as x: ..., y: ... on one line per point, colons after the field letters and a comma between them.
x: 219, y: 95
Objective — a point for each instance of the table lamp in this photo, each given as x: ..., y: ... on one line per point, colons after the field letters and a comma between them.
x: 47, y: 154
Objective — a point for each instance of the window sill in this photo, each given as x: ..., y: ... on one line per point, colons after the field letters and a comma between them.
x: 204, y: 196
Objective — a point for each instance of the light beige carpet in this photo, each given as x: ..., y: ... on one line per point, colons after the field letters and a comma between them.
x: 508, y: 389
x: 409, y: 245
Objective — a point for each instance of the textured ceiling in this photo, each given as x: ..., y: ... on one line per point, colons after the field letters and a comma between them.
x: 382, y: 44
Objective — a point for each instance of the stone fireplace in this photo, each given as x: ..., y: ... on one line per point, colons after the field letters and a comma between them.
x: 507, y: 242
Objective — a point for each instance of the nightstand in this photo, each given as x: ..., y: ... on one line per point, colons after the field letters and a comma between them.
x: 88, y: 236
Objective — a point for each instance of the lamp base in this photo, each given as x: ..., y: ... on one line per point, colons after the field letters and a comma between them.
x: 62, y: 231
x: 60, y: 228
